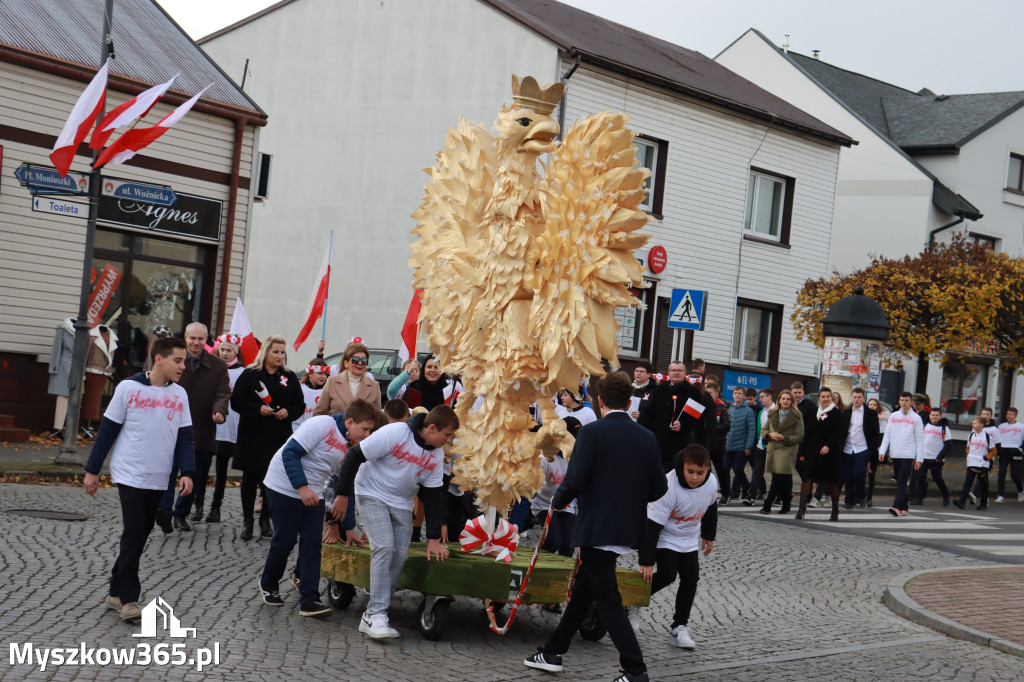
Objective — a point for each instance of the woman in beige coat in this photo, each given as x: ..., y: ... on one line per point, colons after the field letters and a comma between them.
x: 345, y: 387
x: 782, y: 433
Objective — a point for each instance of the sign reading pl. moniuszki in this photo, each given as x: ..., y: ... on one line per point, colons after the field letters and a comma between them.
x: 139, y: 191
x: 49, y: 179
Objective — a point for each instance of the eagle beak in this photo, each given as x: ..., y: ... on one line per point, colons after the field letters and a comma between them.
x: 541, y: 138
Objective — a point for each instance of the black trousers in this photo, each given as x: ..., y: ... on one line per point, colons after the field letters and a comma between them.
x: 934, y: 467
x: 780, y: 489
x: 1010, y: 459
x: 595, y: 584
x: 981, y: 475
x: 757, y: 483
x: 138, y: 515
x: 559, y: 539
x: 225, y: 451
x: 684, y: 564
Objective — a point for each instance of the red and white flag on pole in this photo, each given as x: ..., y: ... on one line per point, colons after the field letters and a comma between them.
x: 83, y: 116
x: 240, y: 327
x: 410, y: 330
x: 263, y: 393
x: 693, y: 408
x: 317, y: 300
x: 136, y: 107
x: 134, y: 140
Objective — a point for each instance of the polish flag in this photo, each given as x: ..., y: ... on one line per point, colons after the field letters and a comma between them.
x: 83, y: 116
x: 136, y: 107
x: 317, y: 301
x: 248, y: 347
x: 410, y: 330
x: 693, y: 408
x: 263, y: 393
x: 136, y: 139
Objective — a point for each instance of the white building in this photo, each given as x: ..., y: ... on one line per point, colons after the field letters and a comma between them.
x: 361, y: 103
x: 926, y: 165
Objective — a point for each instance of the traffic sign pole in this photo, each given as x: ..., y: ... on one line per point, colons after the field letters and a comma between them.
x: 69, y: 451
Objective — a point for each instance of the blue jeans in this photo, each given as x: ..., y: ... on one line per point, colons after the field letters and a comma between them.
x: 735, y: 461
x: 292, y: 519
x: 902, y: 468
x: 855, y: 472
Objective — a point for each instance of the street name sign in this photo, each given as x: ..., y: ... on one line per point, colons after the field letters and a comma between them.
x: 49, y: 179
x: 142, y: 192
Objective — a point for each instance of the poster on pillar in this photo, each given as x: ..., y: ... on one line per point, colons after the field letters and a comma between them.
x: 848, y: 363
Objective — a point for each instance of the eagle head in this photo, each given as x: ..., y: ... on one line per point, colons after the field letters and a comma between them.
x: 525, y: 131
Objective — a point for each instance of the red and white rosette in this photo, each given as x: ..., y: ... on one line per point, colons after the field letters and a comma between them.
x: 501, y: 544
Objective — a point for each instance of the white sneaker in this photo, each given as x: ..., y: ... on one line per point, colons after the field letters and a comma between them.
x: 376, y: 627
x: 974, y: 498
x: 633, y: 613
x: 1020, y: 497
x: 814, y: 503
x: 681, y: 638
x: 1000, y: 498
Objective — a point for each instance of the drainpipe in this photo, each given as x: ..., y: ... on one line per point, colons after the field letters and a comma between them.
x: 561, y: 106
x: 229, y: 238
x: 931, y: 235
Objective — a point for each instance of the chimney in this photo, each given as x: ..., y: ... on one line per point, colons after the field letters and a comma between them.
x: 785, y: 45
x: 815, y: 53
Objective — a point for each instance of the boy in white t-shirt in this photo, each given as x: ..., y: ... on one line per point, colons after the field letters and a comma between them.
x: 683, y: 523
x: 980, y: 450
x: 1011, y: 455
x: 386, y: 471
x: 937, y: 440
x: 295, y: 484
x: 148, y: 426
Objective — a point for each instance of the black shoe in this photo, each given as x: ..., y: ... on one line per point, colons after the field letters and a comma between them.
x: 266, y: 528
x: 983, y: 507
x: 197, y: 512
x: 833, y: 517
x: 627, y: 677
x: 958, y: 504
x: 542, y: 661
x: 847, y: 505
x: 799, y: 515
x: 270, y: 595
x: 867, y: 503
x: 765, y: 510
x: 315, y: 609
x: 916, y: 503
x: 749, y: 501
x: 181, y: 524
x: 163, y: 519
x: 246, y: 533
x: 945, y: 501
x: 214, y: 515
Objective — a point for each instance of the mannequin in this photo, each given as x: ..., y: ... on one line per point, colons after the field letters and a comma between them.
x: 60, y: 369
x: 99, y: 365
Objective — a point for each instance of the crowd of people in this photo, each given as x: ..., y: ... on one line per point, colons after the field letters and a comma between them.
x: 321, y: 452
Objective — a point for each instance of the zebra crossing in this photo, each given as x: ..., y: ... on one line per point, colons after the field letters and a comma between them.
x: 995, y: 534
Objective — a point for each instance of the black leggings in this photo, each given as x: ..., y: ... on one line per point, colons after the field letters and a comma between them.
x: 250, y: 481
x: 225, y: 451
x: 686, y: 566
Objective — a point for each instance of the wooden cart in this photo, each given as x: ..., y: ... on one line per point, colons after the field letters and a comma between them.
x: 470, y: 575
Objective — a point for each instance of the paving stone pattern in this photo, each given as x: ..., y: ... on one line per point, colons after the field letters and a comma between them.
x: 775, y: 602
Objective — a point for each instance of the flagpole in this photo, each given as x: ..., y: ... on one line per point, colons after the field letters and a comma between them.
x: 330, y: 248
x: 69, y: 449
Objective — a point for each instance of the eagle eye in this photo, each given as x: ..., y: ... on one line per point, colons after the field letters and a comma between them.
x: 524, y: 121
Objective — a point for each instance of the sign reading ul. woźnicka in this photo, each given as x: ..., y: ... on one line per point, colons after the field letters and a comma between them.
x: 190, y: 215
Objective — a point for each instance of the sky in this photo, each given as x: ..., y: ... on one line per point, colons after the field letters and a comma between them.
x: 948, y: 46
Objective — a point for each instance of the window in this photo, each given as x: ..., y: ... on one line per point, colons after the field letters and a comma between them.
x: 631, y: 323
x: 1015, y: 173
x: 756, y: 334
x: 990, y: 242
x: 964, y: 386
x: 769, y: 207
x: 651, y: 154
x: 263, y: 177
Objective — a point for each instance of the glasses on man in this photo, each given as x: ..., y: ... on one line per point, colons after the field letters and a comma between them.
x: 359, y: 361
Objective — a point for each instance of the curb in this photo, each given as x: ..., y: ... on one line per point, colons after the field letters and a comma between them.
x: 897, y: 599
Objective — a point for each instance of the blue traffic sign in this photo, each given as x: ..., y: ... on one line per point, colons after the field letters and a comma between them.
x: 45, y: 178
x: 687, y: 309
x: 142, y: 192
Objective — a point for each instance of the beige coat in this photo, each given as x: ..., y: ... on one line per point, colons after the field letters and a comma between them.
x: 781, y: 455
x: 337, y: 395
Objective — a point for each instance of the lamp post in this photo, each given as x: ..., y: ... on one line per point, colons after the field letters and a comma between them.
x: 855, y: 329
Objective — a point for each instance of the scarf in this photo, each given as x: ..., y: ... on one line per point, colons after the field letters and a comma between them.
x: 821, y: 413
x: 636, y: 385
x: 782, y: 415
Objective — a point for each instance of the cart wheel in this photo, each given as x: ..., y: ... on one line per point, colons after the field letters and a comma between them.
x: 592, y: 628
x: 433, y: 618
x: 340, y: 594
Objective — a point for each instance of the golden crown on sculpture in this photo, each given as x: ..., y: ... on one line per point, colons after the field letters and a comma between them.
x: 528, y: 93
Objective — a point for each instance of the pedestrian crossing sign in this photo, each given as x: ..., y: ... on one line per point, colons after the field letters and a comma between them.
x: 687, y: 308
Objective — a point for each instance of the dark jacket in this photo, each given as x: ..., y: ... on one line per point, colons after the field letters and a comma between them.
x: 659, y: 411
x: 808, y: 409
x: 208, y: 391
x: 615, y: 470
x: 722, y: 421
x: 871, y: 434
x: 259, y: 437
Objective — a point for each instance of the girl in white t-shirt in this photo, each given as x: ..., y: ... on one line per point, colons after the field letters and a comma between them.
x: 227, y: 432
x: 681, y: 524
x: 312, y: 386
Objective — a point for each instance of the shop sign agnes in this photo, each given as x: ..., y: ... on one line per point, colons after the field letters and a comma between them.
x: 190, y: 215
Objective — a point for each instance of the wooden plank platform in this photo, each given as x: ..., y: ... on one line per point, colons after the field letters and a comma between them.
x: 474, y: 575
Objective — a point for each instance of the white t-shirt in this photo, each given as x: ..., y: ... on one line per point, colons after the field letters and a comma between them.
x: 396, y: 466
x: 680, y: 510
x: 977, y: 447
x: 554, y: 474
x: 325, y: 448
x: 993, y: 433
x: 1011, y: 435
x: 935, y: 437
x: 584, y: 414
x: 228, y: 431
x: 150, y: 416
x: 312, y: 397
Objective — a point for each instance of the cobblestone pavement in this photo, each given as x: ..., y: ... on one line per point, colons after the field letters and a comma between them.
x: 775, y: 602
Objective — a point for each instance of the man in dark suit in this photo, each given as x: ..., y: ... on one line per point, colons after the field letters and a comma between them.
x: 663, y: 413
x: 861, y: 428
x: 614, y: 471
x: 205, y: 380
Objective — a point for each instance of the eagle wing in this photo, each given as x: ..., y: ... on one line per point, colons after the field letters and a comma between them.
x: 584, y: 263
x: 451, y: 250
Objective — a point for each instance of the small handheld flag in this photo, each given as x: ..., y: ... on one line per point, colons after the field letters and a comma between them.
x: 693, y: 408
